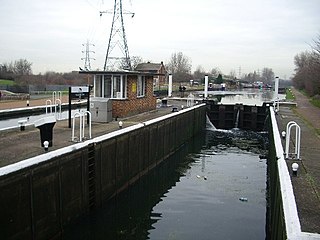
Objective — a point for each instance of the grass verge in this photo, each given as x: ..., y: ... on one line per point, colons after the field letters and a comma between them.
x: 289, y: 94
x: 7, y: 82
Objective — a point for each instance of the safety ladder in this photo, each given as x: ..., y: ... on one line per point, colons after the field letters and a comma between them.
x: 91, y: 176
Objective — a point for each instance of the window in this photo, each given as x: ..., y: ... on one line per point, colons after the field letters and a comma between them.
x: 119, y: 86
x: 107, y: 86
x: 110, y: 86
x: 141, y: 86
x: 97, y: 86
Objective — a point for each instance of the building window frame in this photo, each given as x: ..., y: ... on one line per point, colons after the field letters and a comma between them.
x: 118, y: 86
x: 141, y: 86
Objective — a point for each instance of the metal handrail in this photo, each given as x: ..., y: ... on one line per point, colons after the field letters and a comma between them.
x: 82, y: 119
x: 50, y: 105
x: 290, y: 125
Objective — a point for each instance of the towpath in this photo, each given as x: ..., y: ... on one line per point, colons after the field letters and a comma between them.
x: 306, y: 185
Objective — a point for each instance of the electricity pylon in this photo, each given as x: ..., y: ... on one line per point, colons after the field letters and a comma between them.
x: 118, y: 39
x: 87, y: 65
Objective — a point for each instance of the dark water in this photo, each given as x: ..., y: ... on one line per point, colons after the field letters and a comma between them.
x: 192, y: 195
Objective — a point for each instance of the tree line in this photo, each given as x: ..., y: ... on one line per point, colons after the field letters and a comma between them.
x: 20, y: 71
x: 11, y: 70
x: 179, y: 66
x: 307, y: 71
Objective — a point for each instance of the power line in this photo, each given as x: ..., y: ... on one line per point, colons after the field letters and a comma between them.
x: 117, y: 39
x: 87, y: 65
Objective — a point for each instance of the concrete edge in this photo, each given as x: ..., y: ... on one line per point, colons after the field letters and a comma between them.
x: 292, y: 222
x: 49, y: 155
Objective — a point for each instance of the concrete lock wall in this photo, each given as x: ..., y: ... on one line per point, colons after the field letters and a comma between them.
x: 39, y: 196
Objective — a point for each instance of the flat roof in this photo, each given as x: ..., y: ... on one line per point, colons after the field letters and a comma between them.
x: 121, y: 72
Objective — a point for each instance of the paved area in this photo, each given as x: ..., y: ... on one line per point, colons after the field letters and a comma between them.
x: 16, y: 145
x: 306, y: 185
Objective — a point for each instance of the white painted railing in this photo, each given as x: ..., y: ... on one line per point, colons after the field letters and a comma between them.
x: 48, y: 105
x: 296, y: 153
x: 82, y: 123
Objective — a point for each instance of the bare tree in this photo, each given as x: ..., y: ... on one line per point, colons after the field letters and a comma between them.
x: 267, y: 75
x: 215, y: 72
x: 233, y: 74
x: 199, y: 73
x: 22, y: 67
x: 252, y: 77
x: 180, y: 67
x: 307, y: 74
x: 135, y: 60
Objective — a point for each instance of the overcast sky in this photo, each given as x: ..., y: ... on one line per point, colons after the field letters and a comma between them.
x: 228, y: 34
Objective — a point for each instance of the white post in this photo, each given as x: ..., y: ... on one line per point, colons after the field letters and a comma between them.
x: 297, y: 143
x: 84, y: 122
x: 60, y: 95
x: 276, y: 88
x: 73, y: 126
x: 54, y: 96
x: 57, y: 104
x: 94, y: 85
x: 170, y: 86
x: 206, y: 85
x: 50, y: 103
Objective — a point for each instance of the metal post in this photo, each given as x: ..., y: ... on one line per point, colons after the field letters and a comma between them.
x: 54, y: 96
x: 276, y: 87
x: 206, y: 85
x: 89, y: 122
x: 57, y: 103
x: 50, y: 103
x: 69, y: 109
x: 290, y: 125
x: 73, y: 126
x: 170, y: 86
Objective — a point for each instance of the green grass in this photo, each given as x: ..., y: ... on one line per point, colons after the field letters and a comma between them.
x: 315, y: 102
x: 289, y: 95
x: 7, y: 82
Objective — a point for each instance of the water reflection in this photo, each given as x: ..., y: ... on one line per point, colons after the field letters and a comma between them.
x: 194, y: 194
x: 250, y: 97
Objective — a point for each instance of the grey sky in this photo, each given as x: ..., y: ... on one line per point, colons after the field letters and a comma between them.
x: 213, y: 33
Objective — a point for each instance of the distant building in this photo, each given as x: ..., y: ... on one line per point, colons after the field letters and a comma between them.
x: 156, y: 68
x: 131, y: 92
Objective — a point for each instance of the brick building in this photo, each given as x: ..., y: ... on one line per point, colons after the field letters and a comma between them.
x: 156, y: 68
x: 131, y: 92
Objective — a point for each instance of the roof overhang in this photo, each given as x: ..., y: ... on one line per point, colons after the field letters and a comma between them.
x: 123, y: 72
